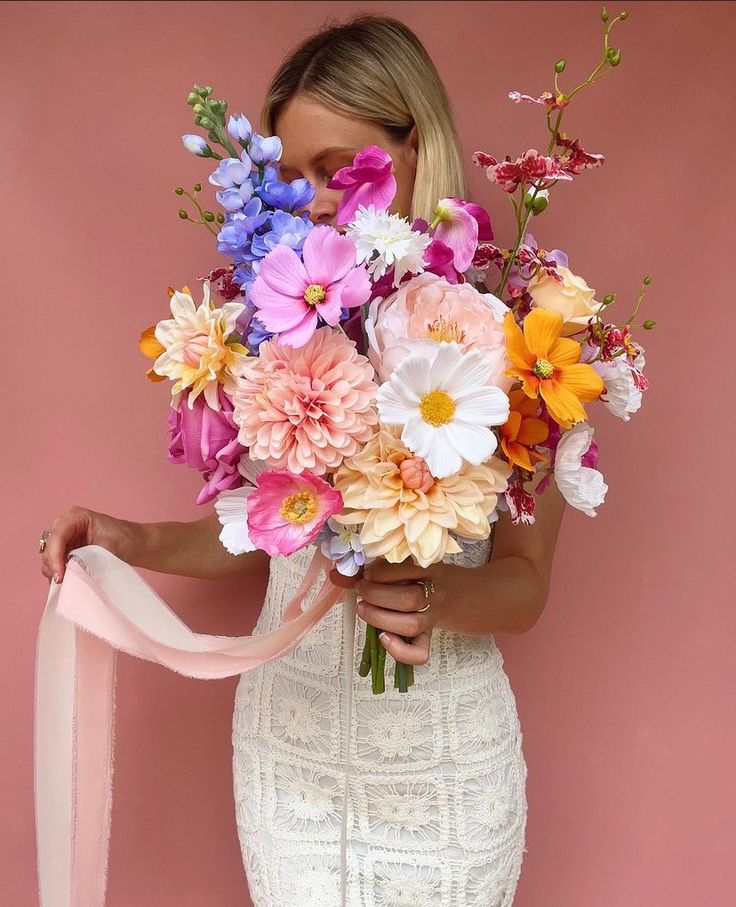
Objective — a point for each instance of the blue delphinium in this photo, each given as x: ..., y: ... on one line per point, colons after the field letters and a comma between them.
x: 342, y: 546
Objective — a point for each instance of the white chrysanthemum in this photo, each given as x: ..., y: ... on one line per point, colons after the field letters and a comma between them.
x: 197, y: 354
x: 445, y: 407
x: 581, y: 486
x: 384, y: 241
x: 232, y: 514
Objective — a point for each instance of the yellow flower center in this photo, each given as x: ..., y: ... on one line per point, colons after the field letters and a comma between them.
x: 437, y: 408
x: 314, y: 293
x: 543, y: 368
x: 299, y: 508
x: 448, y: 331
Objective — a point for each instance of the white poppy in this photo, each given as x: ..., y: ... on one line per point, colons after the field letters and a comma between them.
x: 233, y: 515
x: 445, y: 407
x: 582, y: 487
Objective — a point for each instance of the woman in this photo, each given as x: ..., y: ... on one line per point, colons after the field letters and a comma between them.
x: 434, y: 809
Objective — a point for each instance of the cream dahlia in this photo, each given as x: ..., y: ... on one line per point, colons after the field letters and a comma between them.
x: 305, y: 408
x: 198, y: 351
x: 404, y: 515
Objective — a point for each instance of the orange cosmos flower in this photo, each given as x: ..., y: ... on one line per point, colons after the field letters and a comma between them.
x: 522, y: 431
x: 549, y: 365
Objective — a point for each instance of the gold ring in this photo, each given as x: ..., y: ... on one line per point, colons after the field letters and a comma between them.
x: 428, y: 587
x: 42, y: 541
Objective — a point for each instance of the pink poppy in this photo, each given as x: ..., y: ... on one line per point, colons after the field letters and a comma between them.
x: 286, y: 512
x: 292, y: 295
x: 369, y: 180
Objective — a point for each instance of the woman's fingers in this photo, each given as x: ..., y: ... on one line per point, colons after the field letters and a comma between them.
x: 401, y: 622
x: 414, y: 652
x: 66, y: 531
x: 405, y: 597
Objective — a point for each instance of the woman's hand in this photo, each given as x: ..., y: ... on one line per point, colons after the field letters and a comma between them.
x: 78, y: 527
x: 391, y: 600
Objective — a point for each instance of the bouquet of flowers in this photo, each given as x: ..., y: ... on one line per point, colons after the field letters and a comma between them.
x: 362, y: 389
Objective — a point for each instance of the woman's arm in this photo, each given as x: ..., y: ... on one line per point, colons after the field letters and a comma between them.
x: 507, y: 595
x: 187, y: 549
x: 190, y: 549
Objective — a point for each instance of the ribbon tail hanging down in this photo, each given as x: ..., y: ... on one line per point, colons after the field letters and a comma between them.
x: 104, y: 605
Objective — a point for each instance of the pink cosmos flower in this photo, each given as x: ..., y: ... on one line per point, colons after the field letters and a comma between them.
x: 286, y: 512
x: 577, y: 159
x: 369, y: 180
x: 292, y: 296
x: 459, y: 225
x: 529, y: 167
x: 207, y: 440
x: 307, y: 408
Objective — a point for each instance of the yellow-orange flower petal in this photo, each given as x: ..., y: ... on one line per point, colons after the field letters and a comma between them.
x: 149, y: 346
x: 541, y: 332
x: 583, y: 380
x: 516, y: 347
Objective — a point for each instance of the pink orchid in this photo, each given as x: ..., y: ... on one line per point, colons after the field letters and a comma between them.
x: 369, y: 180
x: 546, y: 97
x: 456, y: 227
x: 529, y: 167
x: 577, y: 158
x: 438, y: 259
x: 286, y: 511
x: 293, y: 296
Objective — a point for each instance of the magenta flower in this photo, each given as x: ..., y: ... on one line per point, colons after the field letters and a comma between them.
x: 207, y: 440
x: 293, y: 296
x: 576, y: 158
x: 456, y: 227
x: 368, y: 181
x: 287, y: 512
x: 439, y: 259
x: 528, y: 168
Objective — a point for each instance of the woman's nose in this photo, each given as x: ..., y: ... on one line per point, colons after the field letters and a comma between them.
x: 323, y: 209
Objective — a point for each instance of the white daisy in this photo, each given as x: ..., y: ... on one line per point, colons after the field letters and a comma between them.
x: 384, y: 241
x: 445, y: 407
x: 233, y: 515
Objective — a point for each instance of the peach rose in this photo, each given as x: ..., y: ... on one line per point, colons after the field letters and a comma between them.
x: 427, y: 310
x: 573, y: 298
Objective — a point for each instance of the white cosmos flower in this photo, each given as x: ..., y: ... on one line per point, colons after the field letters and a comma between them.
x: 622, y: 397
x: 384, y: 240
x: 231, y: 511
x: 581, y: 486
x: 445, y: 407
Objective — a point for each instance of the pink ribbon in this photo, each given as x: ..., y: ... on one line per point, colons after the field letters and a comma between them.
x: 104, y: 605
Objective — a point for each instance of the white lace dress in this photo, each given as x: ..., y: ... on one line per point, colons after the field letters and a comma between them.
x: 435, y: 809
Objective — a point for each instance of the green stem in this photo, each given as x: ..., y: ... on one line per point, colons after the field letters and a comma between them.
x: 400, y: 678
x: 380, y: 686
x: 365, y: 658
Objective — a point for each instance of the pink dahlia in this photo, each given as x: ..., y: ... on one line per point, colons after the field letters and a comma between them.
x: 286, y: 512
x: 307, y: 408
x: 293, y: 295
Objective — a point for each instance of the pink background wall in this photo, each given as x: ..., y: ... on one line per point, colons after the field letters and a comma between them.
x: 625, y: 686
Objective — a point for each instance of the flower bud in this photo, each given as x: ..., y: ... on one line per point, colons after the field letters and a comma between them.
x: 192, y: 99
x: 615, y: 58
x: 195, y: 144
x: 604, y: 14
x: 648, y: 324
x: 179, y: 190
x: 206, y: 123
x: 206, y: 92
x: 647, y: 280
x: 536, y: 199
x: 623, y: 15
x: 560, y: 65
x: 608, y: 298
x: 208, y: 216
x: 198, y: 187
x: 220, y: 218
x: 200, y: 109
x: 183, y: 214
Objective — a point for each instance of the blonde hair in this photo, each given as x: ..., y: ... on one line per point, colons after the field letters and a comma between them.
x: 376, y: 69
